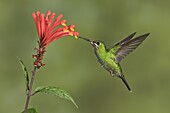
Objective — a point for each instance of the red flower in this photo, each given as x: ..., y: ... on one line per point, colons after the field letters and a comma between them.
x: 48, y: 31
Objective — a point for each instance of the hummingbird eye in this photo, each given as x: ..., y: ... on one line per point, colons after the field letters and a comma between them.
x: 98, y: 43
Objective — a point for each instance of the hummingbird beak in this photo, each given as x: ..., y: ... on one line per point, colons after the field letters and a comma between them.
x: 88, y: 40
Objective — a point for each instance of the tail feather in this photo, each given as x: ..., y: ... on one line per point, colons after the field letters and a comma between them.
x: 126, y: 83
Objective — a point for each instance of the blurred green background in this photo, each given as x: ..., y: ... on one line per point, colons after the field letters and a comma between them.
x: 71, y: 63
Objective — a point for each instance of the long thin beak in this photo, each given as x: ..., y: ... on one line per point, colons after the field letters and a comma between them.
x: 88, y: 40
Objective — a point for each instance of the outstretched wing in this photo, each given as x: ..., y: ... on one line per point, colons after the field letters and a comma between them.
x: 123, y: 49
x: 125, y: 39
x: 118, y: 45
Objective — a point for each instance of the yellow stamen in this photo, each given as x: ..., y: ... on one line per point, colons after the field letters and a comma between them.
x: 72, y: 29
x: 66, y: 30
x: 76, y: 37
x: 63, y: 24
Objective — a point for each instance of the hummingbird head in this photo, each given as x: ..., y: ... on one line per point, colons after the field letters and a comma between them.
x: 97, y: 44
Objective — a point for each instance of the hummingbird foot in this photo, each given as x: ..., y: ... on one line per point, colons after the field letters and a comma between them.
x: 102, y: 65
x: 112, y: 73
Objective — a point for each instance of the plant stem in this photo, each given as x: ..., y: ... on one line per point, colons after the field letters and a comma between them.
x: 30, y: 89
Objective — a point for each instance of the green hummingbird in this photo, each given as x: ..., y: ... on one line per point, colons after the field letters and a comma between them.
x: 110, y: 58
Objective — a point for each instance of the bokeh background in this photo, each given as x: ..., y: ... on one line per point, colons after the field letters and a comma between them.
x: 71, y: 63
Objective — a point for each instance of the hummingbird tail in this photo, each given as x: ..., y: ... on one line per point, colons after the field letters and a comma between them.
x: 126, y: 83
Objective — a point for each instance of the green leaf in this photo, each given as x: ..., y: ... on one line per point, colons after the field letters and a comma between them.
x: 31, y: 110
x: 55, y: 91
x: 25, y: 72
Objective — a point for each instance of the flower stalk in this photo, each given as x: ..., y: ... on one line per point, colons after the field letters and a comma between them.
x: 30, y: 89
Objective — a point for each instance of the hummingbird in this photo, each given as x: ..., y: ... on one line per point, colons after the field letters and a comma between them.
x: 110, y: 58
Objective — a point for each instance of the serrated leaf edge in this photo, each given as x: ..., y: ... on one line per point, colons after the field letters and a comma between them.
x: 70, y: 98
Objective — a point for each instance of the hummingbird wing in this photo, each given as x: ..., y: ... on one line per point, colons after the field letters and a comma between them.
x: 121, y: 50
x: 117, y: 45
x: 125, y: 39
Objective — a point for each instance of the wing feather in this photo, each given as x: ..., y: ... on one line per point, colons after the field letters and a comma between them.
x: 125, y: 48
x: 117, y: 45
x: 125, y: 39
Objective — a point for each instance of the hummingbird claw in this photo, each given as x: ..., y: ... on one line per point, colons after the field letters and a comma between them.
x: 112, y: 73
